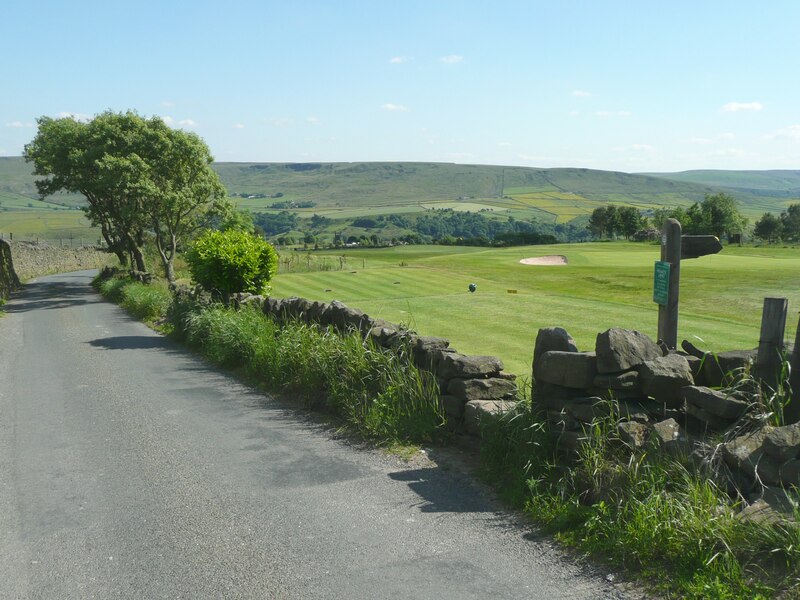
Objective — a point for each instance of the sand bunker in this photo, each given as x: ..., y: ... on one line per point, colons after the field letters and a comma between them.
x: 554, y: 260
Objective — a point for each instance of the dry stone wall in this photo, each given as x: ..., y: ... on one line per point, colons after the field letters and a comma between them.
x: 8, y: 276
x: 675, y: 401
x: 32, y: 259
x: 472, y: 387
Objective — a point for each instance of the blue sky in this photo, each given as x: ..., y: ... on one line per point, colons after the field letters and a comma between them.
x: 630, y: 86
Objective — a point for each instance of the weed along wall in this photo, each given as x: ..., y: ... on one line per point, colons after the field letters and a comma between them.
x: 8, y: 277
x: 471, y: 387
x: 697, y: 404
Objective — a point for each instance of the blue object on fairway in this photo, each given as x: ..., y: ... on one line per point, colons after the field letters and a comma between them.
x: 473, y: 287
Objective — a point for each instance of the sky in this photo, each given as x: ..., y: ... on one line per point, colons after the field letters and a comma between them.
x: 630, y: 86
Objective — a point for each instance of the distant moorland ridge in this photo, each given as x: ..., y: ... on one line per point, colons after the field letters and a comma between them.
x: 572, y: 191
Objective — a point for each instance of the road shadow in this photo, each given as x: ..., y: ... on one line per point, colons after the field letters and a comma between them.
x: 64, y: 292
x: 133, y: 342
x: 444, y: 491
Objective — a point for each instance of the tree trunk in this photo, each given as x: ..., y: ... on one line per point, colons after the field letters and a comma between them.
x: 138, y: 258
x: 167, y: 257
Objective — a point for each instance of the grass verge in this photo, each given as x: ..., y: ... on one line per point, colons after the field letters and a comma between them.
x: 379, y: 393
x: 147, y: 302
x: 649, y: 513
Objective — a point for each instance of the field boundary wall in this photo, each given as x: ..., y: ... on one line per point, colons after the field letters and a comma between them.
x: 8, y: 276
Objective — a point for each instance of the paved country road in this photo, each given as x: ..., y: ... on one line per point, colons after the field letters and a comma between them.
x: 131, y: 469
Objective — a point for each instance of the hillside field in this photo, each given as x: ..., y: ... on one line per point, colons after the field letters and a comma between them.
x: 345, y: 191
x: 603, y: 285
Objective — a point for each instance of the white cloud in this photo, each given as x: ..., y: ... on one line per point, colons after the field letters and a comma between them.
x: 574, y: 113
x: 167, y: 104
x: 505, y: 144
x: 281, y: 121
x: 623, y: 113
x: 643, y: 147
x: 238, y: 126
x: 394, y: 107
x: 312, y: 120
x: 187, y: 123
x: 72, y: 115
x: 738, y: 106
x: 581, y: 93
x: 168, y: 120
x: 19, y: 124
x: 452, y: 59
x: 398, y: 60
x: 787, y: 133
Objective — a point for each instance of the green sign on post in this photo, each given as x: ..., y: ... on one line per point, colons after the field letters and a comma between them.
x: 661, y: 283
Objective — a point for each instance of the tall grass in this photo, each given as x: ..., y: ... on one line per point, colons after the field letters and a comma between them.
x: 147, y: 302
x: 379, y: 392
x: 654, y: 514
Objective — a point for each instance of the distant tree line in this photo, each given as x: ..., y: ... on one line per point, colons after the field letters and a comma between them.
x: 612, y: 221
x: 716, y: 215
x: 786, y: 226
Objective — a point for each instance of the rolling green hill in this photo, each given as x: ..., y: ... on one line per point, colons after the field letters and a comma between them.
x: 767, y: 188
x: 350, y: 190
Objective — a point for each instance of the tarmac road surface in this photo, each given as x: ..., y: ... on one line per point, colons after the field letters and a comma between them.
x: 129, y: 468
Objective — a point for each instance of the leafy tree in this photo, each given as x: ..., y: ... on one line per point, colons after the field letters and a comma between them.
x: 80, y: 158
x: 790, y: 223
x: 717, y: 215
x: 138, y: 176
x: 240, y: 220
x: 274, y: 224
x: 227, y: 262
x: 604, y: 221
x: 630, y: 221
x: 768, y: 227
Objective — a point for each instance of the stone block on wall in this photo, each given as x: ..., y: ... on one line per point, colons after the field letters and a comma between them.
x: 623, y: 349
x: 455, y: 365
x: 477, y: 412
x: 492, y: 388
x: 568, y: 369
x: 663, y: 377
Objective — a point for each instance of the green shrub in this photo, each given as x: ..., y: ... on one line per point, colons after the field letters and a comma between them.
x: 227, y: 262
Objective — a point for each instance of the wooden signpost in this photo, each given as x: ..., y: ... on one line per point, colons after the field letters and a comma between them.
x: 667, y: 274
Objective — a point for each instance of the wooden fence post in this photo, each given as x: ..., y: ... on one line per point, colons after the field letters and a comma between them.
x: 792, y: 411
x: 671, y: 253
x: 770, y: 343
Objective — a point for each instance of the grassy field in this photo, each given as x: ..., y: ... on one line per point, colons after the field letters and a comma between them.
x: 32, y: 223
x: 603, y: 285
x: 358, y: 189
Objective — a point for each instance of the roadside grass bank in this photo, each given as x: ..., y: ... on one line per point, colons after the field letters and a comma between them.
x: 660, y: 517
x: 379, y: 394
x: 656, y: 517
